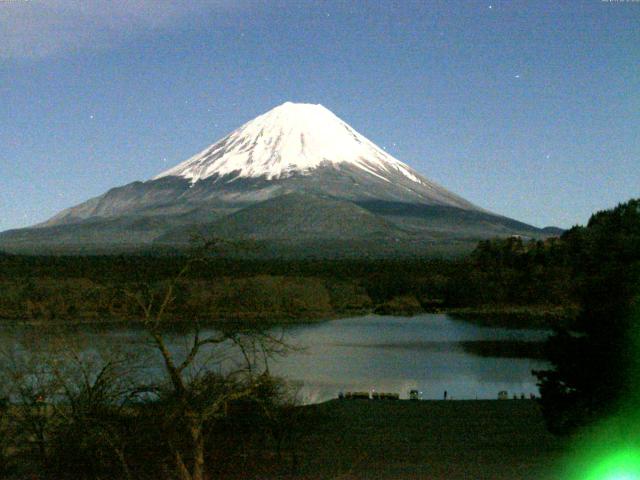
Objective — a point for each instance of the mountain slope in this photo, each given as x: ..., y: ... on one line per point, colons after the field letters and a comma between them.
x: 295, y: 174
x: 301, y: 215
x: 292, y: 148
x: 295, y: 140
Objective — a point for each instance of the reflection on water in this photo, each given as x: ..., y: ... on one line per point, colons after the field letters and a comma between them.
x: 396, y: 354
x: 390, y: 354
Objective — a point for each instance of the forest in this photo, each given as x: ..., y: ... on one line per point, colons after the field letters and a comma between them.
x: 518, y: 279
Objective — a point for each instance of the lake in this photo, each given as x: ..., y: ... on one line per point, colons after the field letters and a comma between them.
x: 381, y: 353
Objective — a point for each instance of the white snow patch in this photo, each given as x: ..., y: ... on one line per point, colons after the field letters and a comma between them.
x: 293, y: 138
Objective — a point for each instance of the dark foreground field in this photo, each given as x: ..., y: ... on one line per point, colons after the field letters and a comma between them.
x: 359, y: 439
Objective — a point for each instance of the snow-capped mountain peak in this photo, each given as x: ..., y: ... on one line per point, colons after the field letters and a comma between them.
x: 291, y: 139
x: 296, y: 177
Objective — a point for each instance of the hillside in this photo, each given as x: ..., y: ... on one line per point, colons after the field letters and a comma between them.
x: 298, y: 179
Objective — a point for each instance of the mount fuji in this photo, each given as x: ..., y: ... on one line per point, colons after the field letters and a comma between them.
x: 298, y: 179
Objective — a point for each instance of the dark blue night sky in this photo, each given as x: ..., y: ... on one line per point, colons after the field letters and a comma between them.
x: 529, y: 109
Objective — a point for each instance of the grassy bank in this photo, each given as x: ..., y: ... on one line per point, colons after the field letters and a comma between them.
x: 361, y: 439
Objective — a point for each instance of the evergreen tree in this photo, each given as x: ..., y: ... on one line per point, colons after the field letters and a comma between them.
x: 593, y: 363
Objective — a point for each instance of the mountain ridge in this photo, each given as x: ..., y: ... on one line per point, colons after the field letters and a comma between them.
x: 294, y: 151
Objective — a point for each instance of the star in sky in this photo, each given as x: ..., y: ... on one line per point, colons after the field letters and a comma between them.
x: 128, y: 55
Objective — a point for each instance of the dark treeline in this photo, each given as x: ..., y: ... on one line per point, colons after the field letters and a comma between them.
x: 514, y: 271
x: 90, y: 287
x: 154, y: 267
x: 596, y: 366
x: 43, y: 287
x: 499, y: 274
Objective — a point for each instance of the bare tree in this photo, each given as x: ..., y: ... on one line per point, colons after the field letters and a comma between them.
x: 94, y: 396
x: 29, y: 382
x: 201, y: 381
x: 6, y: 434
x: 67, y: 404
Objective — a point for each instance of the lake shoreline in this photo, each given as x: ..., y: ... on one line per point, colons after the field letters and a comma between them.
x: 518, y: 317
x: 432, y: 353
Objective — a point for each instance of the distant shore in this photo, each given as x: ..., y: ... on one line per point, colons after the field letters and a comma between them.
x: 517, y: 316
x: 526, y: 317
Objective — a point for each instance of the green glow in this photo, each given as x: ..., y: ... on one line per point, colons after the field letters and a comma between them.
x: 622, y: 465
x: 610, y: 450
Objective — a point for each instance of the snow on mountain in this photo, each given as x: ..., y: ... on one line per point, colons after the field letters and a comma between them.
x: 293, y: 138
x: 296, y: 174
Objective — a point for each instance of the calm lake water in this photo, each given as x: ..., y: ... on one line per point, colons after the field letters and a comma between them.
x: 385, y: 354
